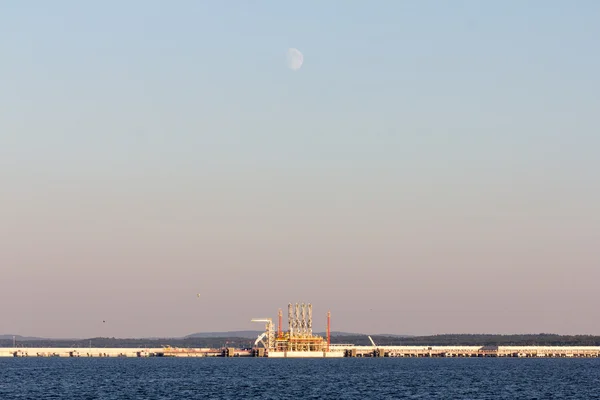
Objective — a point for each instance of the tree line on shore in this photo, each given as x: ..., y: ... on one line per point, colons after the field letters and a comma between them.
x: 210, y: 342
x: 361, y: 340
x: 542, y: 339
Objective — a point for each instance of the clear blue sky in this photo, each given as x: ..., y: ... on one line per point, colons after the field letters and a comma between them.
x: 432, y: 167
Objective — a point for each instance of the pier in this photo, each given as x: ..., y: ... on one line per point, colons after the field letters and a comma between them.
x: 122, y: 352
x: 334, y: 351
x: 468, y: 351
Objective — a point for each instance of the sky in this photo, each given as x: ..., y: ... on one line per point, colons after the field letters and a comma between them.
x: 431, y: 168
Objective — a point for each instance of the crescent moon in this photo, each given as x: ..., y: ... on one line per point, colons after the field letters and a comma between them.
x: 294, y: 59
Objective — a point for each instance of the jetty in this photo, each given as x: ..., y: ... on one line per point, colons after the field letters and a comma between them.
x: 334, y: 351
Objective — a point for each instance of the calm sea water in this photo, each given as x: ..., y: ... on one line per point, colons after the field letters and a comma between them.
x: 241, y: 378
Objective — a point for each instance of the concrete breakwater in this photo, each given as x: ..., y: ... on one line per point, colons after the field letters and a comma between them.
x: 469, y: 351
x: 120, y: 352
x: 334, y: 351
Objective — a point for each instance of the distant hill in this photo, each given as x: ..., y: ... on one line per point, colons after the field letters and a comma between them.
x: 254, y: 334
x: 337, y: 333
x: 202, y: 335
x: 245, y: 339
x: 232, y: 334
x: 19, y: 337
x: 393, y: 335
x: 541, y: 339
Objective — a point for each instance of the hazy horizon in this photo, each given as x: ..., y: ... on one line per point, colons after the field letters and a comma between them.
x: 432, y: 167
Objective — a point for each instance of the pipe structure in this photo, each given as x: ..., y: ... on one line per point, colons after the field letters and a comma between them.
x: 279, y: 328
x: 309, y: 322
x: 303, y: 322
x: 297, y: 319
x: 328, y: 329
x: 291, y: 319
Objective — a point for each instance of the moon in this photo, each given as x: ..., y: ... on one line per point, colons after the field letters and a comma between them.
x: 294, y: 59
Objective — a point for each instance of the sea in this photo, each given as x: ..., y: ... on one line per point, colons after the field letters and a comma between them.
x: 262, y: 378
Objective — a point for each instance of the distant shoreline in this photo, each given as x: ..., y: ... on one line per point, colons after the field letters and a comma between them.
x: 246, y: 340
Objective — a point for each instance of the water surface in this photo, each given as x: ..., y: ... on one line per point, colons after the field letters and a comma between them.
x: 247, y: 378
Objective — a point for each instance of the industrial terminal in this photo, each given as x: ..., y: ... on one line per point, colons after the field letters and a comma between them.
x: 299, y: 341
